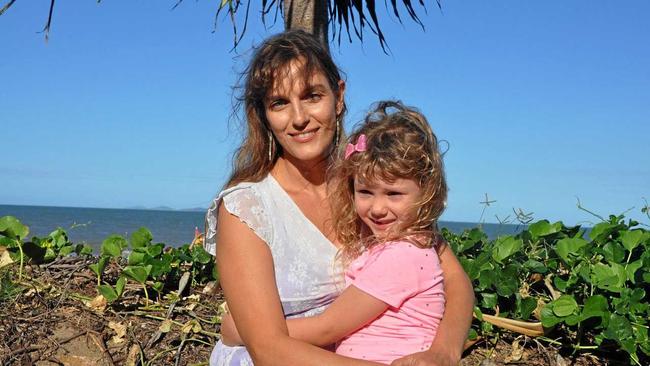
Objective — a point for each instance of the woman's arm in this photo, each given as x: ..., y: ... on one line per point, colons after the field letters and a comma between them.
x: 248, y: 281
x: 447, y: 347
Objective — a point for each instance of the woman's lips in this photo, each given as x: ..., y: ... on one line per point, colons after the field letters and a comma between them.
x: 304, y: 136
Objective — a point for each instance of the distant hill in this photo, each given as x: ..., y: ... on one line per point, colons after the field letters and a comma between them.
x: 162, y: 208
x: 194, y: 209
x: 166, y: 208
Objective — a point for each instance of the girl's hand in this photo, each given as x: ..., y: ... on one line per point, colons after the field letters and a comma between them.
x: 229, y: 334
x: 427, y: 358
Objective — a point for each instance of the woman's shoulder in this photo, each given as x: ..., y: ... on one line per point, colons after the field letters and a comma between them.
x: 244, y: 200
x: 241, y: 189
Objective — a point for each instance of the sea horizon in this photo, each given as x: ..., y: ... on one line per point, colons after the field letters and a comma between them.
x: 171, y: 226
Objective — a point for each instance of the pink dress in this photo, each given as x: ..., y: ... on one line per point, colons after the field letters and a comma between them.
x: 409, y: 280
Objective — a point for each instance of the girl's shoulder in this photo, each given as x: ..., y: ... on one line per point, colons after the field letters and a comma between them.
x: 395, y: 271
x: 398, y: 252
x: 401, y: 246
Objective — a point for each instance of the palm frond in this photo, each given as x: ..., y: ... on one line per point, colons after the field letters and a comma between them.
x: 48, y: 24
x: 346, y: 12
x: 7, y: 6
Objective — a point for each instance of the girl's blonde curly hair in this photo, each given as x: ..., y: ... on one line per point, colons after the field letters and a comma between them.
x: 400, y: 145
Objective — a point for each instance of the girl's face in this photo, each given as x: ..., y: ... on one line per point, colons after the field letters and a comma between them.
x: 383, y: 205
x: 302, y: 115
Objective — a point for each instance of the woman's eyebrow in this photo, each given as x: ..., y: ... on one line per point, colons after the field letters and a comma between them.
x: 318, y: 86
x: 272, y: 97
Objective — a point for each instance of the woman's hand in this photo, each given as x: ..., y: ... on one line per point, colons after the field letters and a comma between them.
x: 427, y: 358
x: 229, y: 334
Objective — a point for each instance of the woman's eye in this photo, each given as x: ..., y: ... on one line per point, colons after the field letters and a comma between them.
x: 314, y: 97
x: 277, y: 103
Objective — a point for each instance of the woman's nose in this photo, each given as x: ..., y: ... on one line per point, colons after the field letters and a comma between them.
x: 300, y: 115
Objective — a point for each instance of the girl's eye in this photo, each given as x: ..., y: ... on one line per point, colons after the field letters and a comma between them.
x: 394, y: 193
x: 363, y: 191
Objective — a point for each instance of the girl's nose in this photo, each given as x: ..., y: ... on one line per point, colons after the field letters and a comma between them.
x: 378, y: 208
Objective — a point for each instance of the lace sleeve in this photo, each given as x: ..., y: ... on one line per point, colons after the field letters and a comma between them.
x: 247, y: 205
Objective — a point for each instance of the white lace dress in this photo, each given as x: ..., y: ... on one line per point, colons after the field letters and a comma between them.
x: 305, y: 271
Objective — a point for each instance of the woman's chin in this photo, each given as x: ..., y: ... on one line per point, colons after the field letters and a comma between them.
x: 307, y: 155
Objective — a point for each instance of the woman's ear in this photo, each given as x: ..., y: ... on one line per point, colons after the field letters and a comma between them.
x: 340, y: 98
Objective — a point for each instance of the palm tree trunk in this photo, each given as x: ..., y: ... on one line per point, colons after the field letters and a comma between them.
x: 309, y: 15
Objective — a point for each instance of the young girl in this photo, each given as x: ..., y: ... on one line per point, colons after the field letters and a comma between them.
x: 388, y: 190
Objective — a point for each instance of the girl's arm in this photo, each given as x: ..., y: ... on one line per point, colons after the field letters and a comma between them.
x: 248, y: 281
x: 350, y: 311
x: 447, y: 347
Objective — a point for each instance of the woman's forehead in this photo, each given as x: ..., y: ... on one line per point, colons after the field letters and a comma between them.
x: 297, y: 75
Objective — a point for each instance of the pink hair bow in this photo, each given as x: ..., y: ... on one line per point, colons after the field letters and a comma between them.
x: 360, y: 146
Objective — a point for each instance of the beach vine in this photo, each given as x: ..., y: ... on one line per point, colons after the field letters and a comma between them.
x: 577, y: 289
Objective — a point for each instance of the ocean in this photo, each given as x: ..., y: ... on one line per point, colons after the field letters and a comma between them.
x: 175, y: 228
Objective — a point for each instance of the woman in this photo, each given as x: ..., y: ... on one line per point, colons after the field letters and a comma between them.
x: 276, y: 248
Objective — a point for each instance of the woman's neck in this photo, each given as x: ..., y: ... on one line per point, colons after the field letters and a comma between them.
x: 296, y: 175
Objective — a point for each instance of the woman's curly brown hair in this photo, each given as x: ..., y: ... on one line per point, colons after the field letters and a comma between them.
x: 400, y: 145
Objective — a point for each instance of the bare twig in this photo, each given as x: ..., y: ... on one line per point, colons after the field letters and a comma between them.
x: 180, y: 349
x: 102, y: 346
x: 36, y: 348
x: 580, y: 207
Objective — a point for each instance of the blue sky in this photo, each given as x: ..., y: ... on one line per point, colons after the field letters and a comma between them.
x: 128, y: 102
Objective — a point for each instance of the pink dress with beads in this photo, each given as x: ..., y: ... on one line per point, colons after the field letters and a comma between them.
x: 409, y: 280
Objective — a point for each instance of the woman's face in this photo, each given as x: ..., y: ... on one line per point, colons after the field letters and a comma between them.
x: 302, y: 114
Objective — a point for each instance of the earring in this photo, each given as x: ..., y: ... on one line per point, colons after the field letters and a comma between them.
x: 337, y: 131
x: 271, y: 142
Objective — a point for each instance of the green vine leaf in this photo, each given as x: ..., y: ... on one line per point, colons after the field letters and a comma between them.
x: 544, y: 228
x: 141, y: 238
x: 595, y: 306
x: 565, y: 305
x: 631, y: 239
x: 98, y: 268
x: 113, y: 246
x: 620, y: 330
x: 13, y: 228
x: 137, y: 273
x: 108, y: 292
x: 119, y: 286
x: 548, y: 317
x: 569, y: 246
x: 504, y: 247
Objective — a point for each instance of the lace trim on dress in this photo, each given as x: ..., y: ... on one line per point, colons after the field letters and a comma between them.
x: 244, y: 202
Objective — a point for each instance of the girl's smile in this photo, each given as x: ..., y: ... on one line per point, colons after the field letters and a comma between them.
x: 381, y: 204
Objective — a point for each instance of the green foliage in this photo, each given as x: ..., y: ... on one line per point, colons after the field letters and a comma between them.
x: 153, y: 266
x: 12, y: 232
x: 588, y: 291
x: 113, y: 246
x: 9, y: 289
x: 13, y: 236
x: 111, y: 293
x: 12, y: 228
